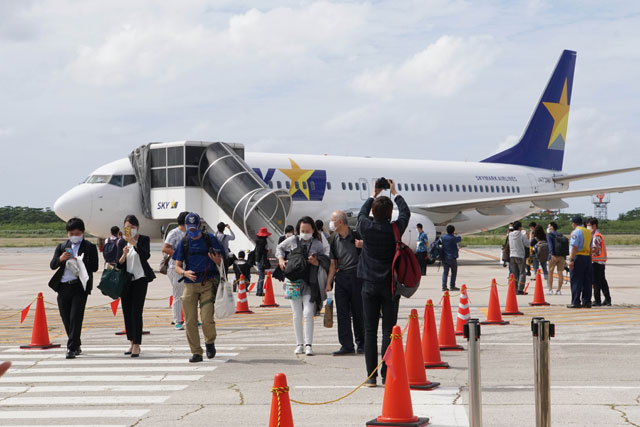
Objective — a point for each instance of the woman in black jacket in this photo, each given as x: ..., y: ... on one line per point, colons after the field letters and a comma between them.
x: 134, y: 251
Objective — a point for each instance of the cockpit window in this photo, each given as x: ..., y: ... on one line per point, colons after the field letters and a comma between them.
x: 116, y: 180
x: 98, y: 179
x: 128, y: 179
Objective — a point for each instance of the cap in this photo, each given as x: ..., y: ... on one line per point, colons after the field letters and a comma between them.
x: 577, y: 220
x: 192, y: 221
x: 263, y: 232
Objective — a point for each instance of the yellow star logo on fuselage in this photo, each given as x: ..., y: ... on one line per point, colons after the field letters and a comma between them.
x: 298, y: 176
x: 560, y: 113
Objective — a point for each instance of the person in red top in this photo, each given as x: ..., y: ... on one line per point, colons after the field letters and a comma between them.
x: 599, y: 260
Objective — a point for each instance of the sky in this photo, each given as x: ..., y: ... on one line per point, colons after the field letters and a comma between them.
x: 84, y: 83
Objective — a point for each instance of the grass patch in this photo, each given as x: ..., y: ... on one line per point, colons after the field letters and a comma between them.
x: 489, y: 240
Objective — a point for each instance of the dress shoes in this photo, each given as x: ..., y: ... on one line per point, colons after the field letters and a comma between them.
x: 195, y: 358
x: 360, y: 350
x: 371, y: 382
x: 211, y: 350
x: 574, y: 306
x: 596, y: 303
x: 70, y: 354
x: 343, y: 352
x: 607, y: 303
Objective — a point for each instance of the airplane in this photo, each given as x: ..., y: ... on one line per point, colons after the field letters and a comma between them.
x: 224, y: 183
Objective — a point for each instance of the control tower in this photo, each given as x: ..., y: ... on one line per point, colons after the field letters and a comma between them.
x: 600, y: 202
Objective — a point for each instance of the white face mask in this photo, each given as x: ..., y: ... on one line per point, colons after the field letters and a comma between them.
x: 288, y: 234
x: 76, y: 239
x: 332, y: 225
x: 549, y: 230
x: 306, y: 236
x: 590, y: 228
x: 134, y: 231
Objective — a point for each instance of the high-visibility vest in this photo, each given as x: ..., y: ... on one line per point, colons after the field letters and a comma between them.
x: 603, y: 253
x: 586, y: 245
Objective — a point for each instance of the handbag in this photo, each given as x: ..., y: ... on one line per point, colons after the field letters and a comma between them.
x: 292, y: 290
x: 328, y: 314
x: 225, y: 304
x: 112, y: 282
x: 164, y: 264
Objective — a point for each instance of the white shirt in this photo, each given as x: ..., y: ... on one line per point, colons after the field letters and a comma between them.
x: 68, y: 275
x: 174, y: 237
x: 134, y: 266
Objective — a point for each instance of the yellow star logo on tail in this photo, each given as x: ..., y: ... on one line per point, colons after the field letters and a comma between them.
x: 560, y: 113
x: 299, y: 176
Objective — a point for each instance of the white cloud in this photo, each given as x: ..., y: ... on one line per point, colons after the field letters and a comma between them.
x: 442, y: 69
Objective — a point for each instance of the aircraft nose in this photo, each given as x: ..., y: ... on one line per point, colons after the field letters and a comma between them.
x: 76, y: 202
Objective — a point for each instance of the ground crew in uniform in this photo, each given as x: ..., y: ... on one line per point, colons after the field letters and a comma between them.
x: 72, y: 294
x: 421, y: 249
x: 345, y: 247
x: 197, y: 258
x: 580, y: 265
x: 598, y: 260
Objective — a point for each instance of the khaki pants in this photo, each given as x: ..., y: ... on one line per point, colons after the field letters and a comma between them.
x: 205, y: 294
x: 556, y: 262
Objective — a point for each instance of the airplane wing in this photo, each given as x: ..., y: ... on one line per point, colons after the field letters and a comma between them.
x: 498, y: 205
x: 589, y: 175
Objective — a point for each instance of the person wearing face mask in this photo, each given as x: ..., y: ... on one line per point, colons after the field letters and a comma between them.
x: 598, y: 260
x: 421, y: 249
x: 345, y: 245
x: 309, y: 303
x: 135, y: 251
x: 277, y: 272
x: 72, y: 294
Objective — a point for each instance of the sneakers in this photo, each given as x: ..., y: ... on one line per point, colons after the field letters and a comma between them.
x: 371, y: 382
x: 550, y: 292
x: 454, y: 288
x: 307, y: 350
x: 299, y: 349
x: 558, y: 292
x: 179, y: 326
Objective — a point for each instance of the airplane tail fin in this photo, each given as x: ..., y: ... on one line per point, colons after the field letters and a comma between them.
x: 543, y: 141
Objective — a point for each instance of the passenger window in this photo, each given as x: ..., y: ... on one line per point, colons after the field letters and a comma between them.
x: 518, y: 188
x: 437, y: 187
x: 364, y: 186
x: 464, y: 188
x: 419, y: 187
x: 350, y: 186
x: 508, y: 191
x: 486, y: 188
x: 128, y: 179
x: 297, y: 185
x: 413, y: 187
x: 503, y: 189
x: 431, y: 187
x: 481, y: 189
x: 175, y: 156
x: 304, y: 185
x: 444, y: 187
x: 270, y: 184
x: 312, y: 185
x: 192, y: 155
x: 279, y: 185
x: 344, y: 186
x: 475, y: 188
x: 357, y: 186
x: 328, y: 185
x: 116, y: 180
x: 492, y: 188
x: 288, y: 183
x: 457, y: 188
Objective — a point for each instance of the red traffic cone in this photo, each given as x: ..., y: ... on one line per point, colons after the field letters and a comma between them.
x: 242, y: 306
x: 493, y: 314
x: 538, y: 295
x: 40, y: 332
x: 430, y: 347
x: 511, y: 309
x: 446, y: 336
x: 397, y: 409
x: 464, y: 310
x: 413, y: 356
x: 280, y: 415
x: 269, y: 300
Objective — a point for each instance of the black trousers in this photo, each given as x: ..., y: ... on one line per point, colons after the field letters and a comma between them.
x: 349, y: 303
x: 422, y: 261
x: 600, y: 283
x: 376, y: 299
x: 581, y: 280
x: 72, y: 300
x: 133, y: 296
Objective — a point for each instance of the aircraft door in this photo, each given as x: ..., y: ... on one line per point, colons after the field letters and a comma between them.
x: 364, y: 189
x: 534, y: 182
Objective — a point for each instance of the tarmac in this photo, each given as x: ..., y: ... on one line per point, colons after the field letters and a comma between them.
x: 595, y: 367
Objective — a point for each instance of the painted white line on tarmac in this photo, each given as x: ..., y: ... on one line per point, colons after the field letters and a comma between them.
x: 82, y: 400
x: 70, y: 370
x: 115, y: 348
x: 560, y: 343
x: 97, y: 378
x: 120, y: 356
x: 119, y: 361
x: 67, y: 425
x: 13, y: 389
x: 74, y: 413
x: 106, y: 387
x: 325, y: 386
x: 438, y: 406
x: 564, y: 387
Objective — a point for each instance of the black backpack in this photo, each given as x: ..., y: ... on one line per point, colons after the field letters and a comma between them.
x: 435, y: 250
x: 561, y: 245
x: 185, y: 246
x: 251, y: 258
x: 297, y: 266
x: 110, y: 251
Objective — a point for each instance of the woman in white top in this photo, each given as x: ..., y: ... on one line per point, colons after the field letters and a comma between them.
x: 312, y: 243
x: 134, y: 252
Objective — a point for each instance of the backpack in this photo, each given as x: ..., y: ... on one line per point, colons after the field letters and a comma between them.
x: 542, y: 251
x: 561, y: 245
x: 185, y: 246
x: 110, y: 251
x: 251, y: 258
x: 405, y: 268
x: 506, y: 251
x: 297, y: 266
x: 435, y: 250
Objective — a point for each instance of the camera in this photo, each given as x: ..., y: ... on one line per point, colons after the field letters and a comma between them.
x: 212, y: 251
x: 382, y: 183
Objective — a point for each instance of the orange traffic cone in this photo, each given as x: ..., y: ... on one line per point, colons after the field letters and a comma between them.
x: 430, y: 348
x: 493, y: 313
x: 40, y: 332
x: 413, y: 356
x: 538, y: 295
x: 446, y: 336
x: 280, y: 415
x: 269, y: 300
x: 463, y: 310
x: 511, y: 309
x: 242, y: 306
x: 397, y: 409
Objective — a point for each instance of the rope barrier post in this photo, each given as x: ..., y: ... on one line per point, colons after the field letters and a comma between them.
x: 472, y: 334
x: 542, y: 331
x: 534, y: 329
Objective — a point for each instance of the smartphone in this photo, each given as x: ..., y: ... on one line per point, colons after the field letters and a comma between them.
x: 127, y: 232
x: 69, y: 251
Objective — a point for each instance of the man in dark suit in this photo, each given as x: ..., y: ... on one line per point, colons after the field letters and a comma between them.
x: 72, y: 295
x: 374, y: 269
